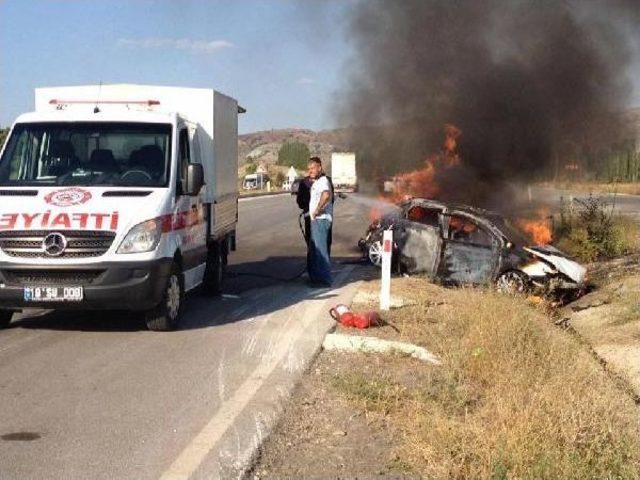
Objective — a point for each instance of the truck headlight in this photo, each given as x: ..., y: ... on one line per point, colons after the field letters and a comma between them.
x: 144, y: 237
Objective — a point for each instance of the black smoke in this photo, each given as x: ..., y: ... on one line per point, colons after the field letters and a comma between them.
x: 532, y: 85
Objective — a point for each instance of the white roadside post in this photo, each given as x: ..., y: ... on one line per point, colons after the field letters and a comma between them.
x: 385, y: 284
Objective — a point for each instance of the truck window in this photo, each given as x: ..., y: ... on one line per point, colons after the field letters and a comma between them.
x: 86, y: 154
x: 185, y: 156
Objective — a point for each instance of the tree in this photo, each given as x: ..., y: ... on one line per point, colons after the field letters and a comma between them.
x: 294, y: 154
x: 280, y: 178
x: 251, y: 168
x: 3, y: 135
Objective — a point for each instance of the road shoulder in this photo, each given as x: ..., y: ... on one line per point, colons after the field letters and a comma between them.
x: 229, y: 441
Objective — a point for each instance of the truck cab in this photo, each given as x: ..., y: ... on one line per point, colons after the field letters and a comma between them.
x: 118, y: 197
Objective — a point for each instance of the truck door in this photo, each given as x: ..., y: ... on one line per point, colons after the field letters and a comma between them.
x: 469, y: 253
x: 189, y: 221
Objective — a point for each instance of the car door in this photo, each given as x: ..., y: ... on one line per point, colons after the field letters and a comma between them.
x: 420, y: 240
x: 469, y: 251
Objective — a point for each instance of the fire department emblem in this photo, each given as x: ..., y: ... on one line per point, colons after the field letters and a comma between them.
x: 68, y: 196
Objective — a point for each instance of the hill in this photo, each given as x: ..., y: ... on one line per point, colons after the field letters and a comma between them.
x: 262, y: 147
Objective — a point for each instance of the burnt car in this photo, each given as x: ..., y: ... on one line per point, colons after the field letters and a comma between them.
x: 459, y: 244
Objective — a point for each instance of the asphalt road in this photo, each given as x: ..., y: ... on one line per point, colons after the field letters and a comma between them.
x: 95, y: 395
x: 271, y: 245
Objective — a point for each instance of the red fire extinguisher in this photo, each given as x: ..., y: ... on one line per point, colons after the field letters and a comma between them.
x: 343, y: 314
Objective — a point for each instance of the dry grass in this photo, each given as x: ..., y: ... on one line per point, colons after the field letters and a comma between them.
x: 515, y: 397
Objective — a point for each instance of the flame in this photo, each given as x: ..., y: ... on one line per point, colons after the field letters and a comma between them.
x: 452, y: 133
x: 375, y: 214
x: 538, y: 229
x: 422, y: 182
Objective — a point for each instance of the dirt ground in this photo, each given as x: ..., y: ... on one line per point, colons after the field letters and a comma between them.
x: 322, y: 435
x: 609, y: 320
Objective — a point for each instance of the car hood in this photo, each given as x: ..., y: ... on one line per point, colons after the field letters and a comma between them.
x: 560, y: 261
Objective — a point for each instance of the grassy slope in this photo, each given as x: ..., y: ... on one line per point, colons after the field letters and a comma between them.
x: 515, y: 397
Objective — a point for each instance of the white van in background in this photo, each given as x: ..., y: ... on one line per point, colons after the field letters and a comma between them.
x: 118, y: 197
x: 255, y: 181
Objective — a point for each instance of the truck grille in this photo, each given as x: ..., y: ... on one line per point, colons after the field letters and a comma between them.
x: 80, y: 244
x: 50, y: 277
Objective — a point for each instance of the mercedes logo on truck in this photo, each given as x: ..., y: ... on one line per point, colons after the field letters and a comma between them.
x: 54, y: 244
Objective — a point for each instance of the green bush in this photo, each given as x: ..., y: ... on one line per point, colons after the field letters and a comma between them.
x: 294, y: 154
x: 590, y: 230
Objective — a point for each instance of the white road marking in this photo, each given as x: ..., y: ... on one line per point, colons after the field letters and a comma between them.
x: 195, y: 452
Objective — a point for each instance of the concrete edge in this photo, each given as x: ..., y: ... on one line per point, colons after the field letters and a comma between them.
x: 356, y: 343
x: 326, y: 325
x: 261, y: 194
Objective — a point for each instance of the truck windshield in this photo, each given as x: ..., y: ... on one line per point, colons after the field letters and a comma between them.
x: 87, y: 153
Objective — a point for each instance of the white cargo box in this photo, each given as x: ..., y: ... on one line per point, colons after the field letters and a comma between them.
x: 213, y: 122
x: 343, y: 171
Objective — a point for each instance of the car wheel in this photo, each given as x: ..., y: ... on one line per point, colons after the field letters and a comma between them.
x: 375, y: 253
x: 5, y: 318
x: 166, y: 315
x: 512, y: 282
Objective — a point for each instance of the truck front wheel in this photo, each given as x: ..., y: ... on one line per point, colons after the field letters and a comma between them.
x: 166, y: 315
x: 5, y: 318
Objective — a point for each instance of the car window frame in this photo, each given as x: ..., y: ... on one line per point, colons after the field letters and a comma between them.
x: 494, y: 241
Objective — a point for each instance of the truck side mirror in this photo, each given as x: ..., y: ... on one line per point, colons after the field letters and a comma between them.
x: 195, y: 179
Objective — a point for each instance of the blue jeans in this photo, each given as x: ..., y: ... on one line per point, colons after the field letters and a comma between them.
x: 320, y: 266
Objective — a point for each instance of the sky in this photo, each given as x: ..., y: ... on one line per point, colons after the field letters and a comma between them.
x: 281, y: 59
x: 284, y: 60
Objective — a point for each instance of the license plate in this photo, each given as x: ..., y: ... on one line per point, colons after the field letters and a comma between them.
x: 53, y: 294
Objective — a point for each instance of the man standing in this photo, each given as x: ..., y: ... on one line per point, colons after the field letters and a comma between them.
x: 303, y: 196
x: 321, y: 216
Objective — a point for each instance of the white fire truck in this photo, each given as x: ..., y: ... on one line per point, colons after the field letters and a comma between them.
x: 118, y: 197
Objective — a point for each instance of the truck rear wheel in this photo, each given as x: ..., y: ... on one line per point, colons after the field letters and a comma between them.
x: 166, y: 315
x: 5, y: 318
x: 215, y: 270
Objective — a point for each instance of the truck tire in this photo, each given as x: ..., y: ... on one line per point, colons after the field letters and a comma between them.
x: 166, y: 315
x: 215, y: 269
x: 5, y: 318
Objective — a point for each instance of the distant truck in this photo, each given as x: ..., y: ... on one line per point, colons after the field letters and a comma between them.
x: 255, y: 181
x: 118, y: 197
x: 343, y: 172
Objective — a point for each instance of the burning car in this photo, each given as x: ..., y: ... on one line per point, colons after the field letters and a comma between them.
x: 465, y: 245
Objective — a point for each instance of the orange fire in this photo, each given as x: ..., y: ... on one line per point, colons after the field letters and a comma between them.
x: 423, y: 182
x: 375, y: 214
x: 539, y: 229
